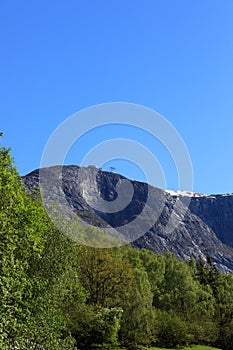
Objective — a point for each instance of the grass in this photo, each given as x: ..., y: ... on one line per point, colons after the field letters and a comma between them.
x: 194, y: 347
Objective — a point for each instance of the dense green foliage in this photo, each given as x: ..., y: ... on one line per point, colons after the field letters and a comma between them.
x: 56, y: 294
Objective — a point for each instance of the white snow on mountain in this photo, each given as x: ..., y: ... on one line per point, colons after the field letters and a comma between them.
x: 185, y: 193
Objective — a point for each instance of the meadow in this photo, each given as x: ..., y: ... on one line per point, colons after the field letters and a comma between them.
x: 195, y: 347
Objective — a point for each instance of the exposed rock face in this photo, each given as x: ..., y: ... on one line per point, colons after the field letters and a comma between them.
x: 142, y: 213
x: 217, y: 212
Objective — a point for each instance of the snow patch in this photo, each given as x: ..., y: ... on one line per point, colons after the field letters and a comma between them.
x: 185, y: 193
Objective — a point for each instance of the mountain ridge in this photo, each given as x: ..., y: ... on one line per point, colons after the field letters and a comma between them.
x: 203, y: 228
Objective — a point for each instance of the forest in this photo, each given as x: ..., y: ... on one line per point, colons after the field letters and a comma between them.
x: 58, y: 294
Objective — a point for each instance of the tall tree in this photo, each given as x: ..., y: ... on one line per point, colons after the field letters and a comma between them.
x: 29, y: 294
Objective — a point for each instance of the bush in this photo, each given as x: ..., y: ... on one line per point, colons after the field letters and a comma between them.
x: 171, y: 330
x: 97, y: 328
x: 226, y: 339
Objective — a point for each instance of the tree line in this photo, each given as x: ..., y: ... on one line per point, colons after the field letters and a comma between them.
x: 58, y: 294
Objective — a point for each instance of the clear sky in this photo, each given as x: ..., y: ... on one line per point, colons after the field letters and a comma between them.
x: 174, y: 56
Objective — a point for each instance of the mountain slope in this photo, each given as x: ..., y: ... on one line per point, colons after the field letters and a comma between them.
x: 146, y: 216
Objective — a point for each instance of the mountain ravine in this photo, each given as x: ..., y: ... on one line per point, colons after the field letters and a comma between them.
x: 203, y: 228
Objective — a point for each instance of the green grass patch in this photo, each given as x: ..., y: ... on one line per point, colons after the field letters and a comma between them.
x: 194, y: 347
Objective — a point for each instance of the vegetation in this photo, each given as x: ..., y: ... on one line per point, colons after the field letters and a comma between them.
x: 57, y: 294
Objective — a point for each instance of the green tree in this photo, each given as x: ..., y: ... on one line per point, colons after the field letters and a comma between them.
x: 20, y: 239
x: 206, y: 271
x: 30, y: 292
x: 178, y: 290
x: 155, y: 267
x: 223, y: 291
x: 138, y: 317
x: 105, y: 275
x: 172, y: 330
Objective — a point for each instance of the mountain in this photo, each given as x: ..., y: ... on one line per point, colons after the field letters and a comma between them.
x: 184, y: 223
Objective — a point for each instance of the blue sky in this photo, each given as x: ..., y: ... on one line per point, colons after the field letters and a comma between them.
x: 174, y: 56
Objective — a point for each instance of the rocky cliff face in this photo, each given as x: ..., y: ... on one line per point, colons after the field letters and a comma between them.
x: 217, y: 212
x: 146, y: 216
